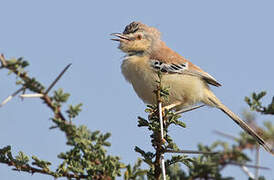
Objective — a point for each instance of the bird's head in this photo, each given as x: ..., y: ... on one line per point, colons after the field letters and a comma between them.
x: 137, y: 38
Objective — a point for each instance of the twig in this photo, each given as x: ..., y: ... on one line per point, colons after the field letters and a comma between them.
x: 32, y: 170
x: 188, y: 109
x: 58, y: 112
x: 57, y: 79
x: 189, y: 152
x: 11, y: 96
x: 45, y: 98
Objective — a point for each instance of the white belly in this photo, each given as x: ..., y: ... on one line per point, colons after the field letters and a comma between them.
x: 183, y: 88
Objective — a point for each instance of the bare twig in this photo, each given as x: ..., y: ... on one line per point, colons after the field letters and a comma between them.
x: 11, y: 96
x: 189, y: 152
x: 57, y: 79
x: 188, y: 109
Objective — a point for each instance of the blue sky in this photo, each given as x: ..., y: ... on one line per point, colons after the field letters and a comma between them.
x: 232, y: 40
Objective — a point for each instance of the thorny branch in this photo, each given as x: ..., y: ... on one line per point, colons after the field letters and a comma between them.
x: 47, y: 100
x: 159, y: 141
x: 34, y: 86
x: 33, y: 170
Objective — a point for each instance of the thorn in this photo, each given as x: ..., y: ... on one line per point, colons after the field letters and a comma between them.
x: 163, y: 166
x: 6, y: 100
x: 24, y: 91
x: 163, y: 141
x: 248, y: 165
x: 225, y: 135
x: 56, y: 80
x: 189, y: 152
x: 11, y: 96
x: 161, y: 120
x: 257, y: 161
x: 36, y: 95
x: 188, y: 109
x: 247, y: 172
x: 3, y: 60
x: 162, y: 136
x: 53, y: 127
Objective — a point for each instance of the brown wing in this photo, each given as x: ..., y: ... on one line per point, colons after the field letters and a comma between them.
x: 196, y: 71
x: 169, y: 60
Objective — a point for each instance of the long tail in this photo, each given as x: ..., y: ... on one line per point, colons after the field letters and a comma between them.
x: 217, y: 103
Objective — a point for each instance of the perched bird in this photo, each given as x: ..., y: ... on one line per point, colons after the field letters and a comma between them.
x: 188, y: 84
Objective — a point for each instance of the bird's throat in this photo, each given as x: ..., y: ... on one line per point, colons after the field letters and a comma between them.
x: 136, y: 53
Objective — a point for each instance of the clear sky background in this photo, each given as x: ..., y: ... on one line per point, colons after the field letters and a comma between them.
x: 232, y: 40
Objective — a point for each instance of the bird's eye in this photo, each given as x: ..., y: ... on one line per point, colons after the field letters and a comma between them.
x: 139, y: 37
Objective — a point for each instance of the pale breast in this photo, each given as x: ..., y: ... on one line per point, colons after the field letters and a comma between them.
x: 137, y: 71
x: 184, y: 88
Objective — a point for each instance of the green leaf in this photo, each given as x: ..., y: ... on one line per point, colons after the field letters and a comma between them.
x: 60, y: 96
x: 74, y: 111
x: 21, y: 158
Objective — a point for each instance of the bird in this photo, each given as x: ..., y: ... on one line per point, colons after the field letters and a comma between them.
x: 147, y: 54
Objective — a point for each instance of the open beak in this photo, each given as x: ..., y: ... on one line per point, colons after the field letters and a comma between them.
x: 120, y: 38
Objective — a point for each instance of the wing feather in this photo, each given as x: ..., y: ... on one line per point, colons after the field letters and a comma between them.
x: 168, y: 61
x: 183, y: 68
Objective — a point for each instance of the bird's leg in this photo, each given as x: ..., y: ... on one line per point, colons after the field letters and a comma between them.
x: 162, y: 115
x: 171, y: 106
x: 168, y: 107
x: 188, y: 109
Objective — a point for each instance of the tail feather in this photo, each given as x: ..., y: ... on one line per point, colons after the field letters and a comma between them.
x: 246, y: 127
x: 216, y: 102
